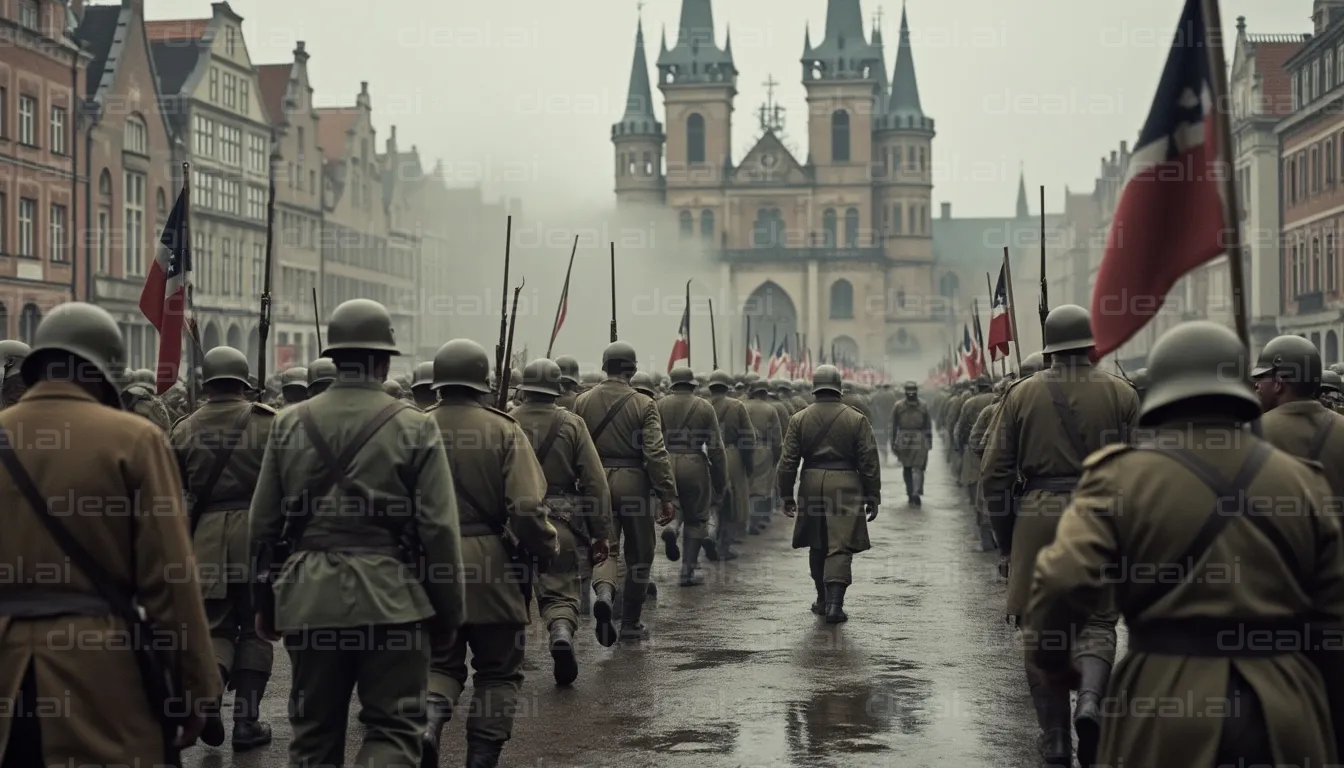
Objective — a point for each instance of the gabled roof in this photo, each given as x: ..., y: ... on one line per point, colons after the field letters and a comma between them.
x: 176, y: 29
x: 1276, y: 83
x: 784, y: 170
x: 175, y: 60
x: 273, y: 80
x: 333, y: 128
x: 97, y: 31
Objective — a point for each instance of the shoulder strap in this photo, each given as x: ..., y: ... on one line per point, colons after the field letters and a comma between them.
x: 336, y: 466
x: 221, y: 462
x: 1068, y: 418
x: 826, y: 430
x: 611, y: 414
x: 1214, y: 524
x: 548, y: 442
x: 1323, y: 427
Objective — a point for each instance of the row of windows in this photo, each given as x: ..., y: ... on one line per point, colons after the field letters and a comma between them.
x: 296, y: 286
x: 26, y: 226
x: 29, y: 319
x: 299, y: 231
x: 236, y: 89
x: 1317, y: 77
x: 29, y: 129
x: 1314, y: 169
x: 142, y: 345
x: 336, y: 289
x: 632, y: 164
x: 346, y: 246
x: 768, y: 230
x: 214, y: 193
x: 1312, y: 269
x: 224, y: 143
x: 840, y: 139
x: 220, y: 265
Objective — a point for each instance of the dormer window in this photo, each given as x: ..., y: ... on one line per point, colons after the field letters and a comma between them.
x: 28, y: 14
x: 230, y: 40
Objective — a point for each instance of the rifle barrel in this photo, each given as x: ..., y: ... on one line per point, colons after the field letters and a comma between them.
x: 503, y: 300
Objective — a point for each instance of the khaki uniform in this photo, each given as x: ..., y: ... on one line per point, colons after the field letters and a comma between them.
x: 140, y: 400
x: 219, y: 521
x: 949, y: 425
x: 841, y: 473
x: 637, y: 467
x: 769, y: 431
x: 1300, y: 429
x: 739, y: 449
x: 352, y: 615
x: 881, y: 404
x: 799, y: 403
x: 970, y: 460
x: 104, y: 456
x: 695, y: 446
x: 568, y: 399
x: 498, y: 484
x: 1137, y: 506
x: 911, y: 440
x: 578, y: 504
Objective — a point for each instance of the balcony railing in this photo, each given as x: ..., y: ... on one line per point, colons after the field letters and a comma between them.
x: 781, y: 253
x: 1310, y: 302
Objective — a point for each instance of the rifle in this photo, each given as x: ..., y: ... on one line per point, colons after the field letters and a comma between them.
x: 506, y: 372
x: 317, y: 322
x: 503, y: 316
x: 264, y: 325
x: 713, y: 337
x: 613, y: 292
x: 1044, y: 307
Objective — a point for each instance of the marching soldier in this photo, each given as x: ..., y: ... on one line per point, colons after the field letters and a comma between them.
x: 112, y: 458
x: 578, y: 505
x: 911, y: 439
x: 840, y: 492
x: 500, y: 490
x: 569, y: 381
x: 801, y: 393
x: 322, y: 374
x: 961, y: 435
x: 422, y: 385
x: 392, y: 388
x: 882, y: 403
x: 769, y: 430
x: 1332, y: 391
x: 589, y: 380
x: 139, y: 398
x: 1047, y: 426
x: 356, y: 511
x: 739, y: 447
x: 625, y: 427
x: 979, y: 438
x: 1235, y: 575
x: 12, y: 353
x: 695, y: 447
x: 783, y: 394
x: 1287, y: 380
x: 294, y: 386
x: 643, y: 384
x: 219, y: 451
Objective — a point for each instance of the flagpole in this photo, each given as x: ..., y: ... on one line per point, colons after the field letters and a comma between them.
x: 1222, y: 131
x: 191, y: 314
x: 1012, y: 308
x: 713, y: 337
x: 564, y: 298
x: 990, y: 285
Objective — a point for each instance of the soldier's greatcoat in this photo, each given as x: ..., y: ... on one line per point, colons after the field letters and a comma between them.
x: 695, y: 447
x: 970, y: 459
x: 1135, y: 507
x: 911, y: 433
x: 739, y: 449
x: 770, y: 438
x: 1298, y: 428
x: 97, y: 455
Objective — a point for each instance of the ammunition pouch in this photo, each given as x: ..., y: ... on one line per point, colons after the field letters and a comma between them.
x: 566, y: 508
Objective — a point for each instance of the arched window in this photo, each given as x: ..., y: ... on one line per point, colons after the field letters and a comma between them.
x: 28, y: 320
x: 914, y: 219
x: 135, y: 138
x: 1331, y: 267
x: 105, y: 183
x: 707, y: 225
x: 921, y: 160
x: 687, y: 224
x: 695, y: 138
x: 1331, y: 348
x: 842, y: 300
x: 897, y: 218
x: 161, y: 202
x: 828, y: 228
x: 1316, y: 263
x: 648, y: 164
x: 852, y: 228
x: 840, y: 136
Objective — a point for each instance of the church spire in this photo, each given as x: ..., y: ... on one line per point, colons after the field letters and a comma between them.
x: 845, y: 51
x: 904, y: 87
x: 1023, y: 211
x: 696, y: 57
x: 639, y: 117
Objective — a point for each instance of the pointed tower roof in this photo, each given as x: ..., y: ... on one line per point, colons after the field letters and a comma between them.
x: 883, y: 83
x: 903, y: 110
x: 1023, y: 210
x: 845, y: 53
x: 639, y: 118
x: 696, y: 57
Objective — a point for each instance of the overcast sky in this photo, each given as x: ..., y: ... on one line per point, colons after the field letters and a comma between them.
x: 522, y: 93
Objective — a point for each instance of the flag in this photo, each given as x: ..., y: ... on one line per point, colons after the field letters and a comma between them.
x: 779, y: 358
x: 968, y: 352
x: 163, y: 300
x: 563, y: 310
x: 1000, y: 324
x: 681, y: 348
x: 754, y: 355
x: 1170, y: 216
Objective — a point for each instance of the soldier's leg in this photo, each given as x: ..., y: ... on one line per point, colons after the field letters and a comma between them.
x: 694, y: 512
x: 816, y: 564
x: 585, y: 563
x: 837, y: 573
x: 323, y: 676
x: 917, y: 478
x: 1051, y: 703
x: 24, y: 747
x: 672, y: 533
x: 908, y: 474
x: 393, y: 672
x: 639, y: 545
x: 251, y: 671
x: 1093, y: 655
x: 447, y: 678
x: 497, y: 664
x: 605, y: 578
x: 558, y: 603
x: 223, y: 638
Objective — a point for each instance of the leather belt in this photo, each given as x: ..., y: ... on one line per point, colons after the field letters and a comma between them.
x: 686, y: 451
x: 1228, y: 638
x: 1052, y: 484
x: 42, y: 604
x: 622, y: 463
x: 237, y: 505
x: 375, y: 542
x: 830, y: 466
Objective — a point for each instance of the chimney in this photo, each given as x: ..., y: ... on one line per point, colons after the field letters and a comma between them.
x: 1124, y: 149
x: 947, y: 211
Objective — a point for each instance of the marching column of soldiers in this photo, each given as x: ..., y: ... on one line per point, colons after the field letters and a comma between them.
x: 394, y: 533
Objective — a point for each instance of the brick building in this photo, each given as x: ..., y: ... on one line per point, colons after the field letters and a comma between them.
x: 41, y: 80
x: 128, y: 154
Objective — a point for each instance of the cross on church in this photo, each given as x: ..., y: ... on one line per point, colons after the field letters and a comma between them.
x: 877, y: 18
x: 771, y: 113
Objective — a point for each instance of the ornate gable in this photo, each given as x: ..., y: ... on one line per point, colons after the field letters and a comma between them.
x: 770, y: 163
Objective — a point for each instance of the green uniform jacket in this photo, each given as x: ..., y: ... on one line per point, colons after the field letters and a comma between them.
x: 634, y: 433
x: 769, y: 432
x: 739, y: 445
x: 911, y: 433
x: 568, y: 399
x: 140, y: 400
x: 220, y: 539
x: 831, y: 500
x: 1137, y: 507
x: 880, y: 406
x: 493, y: 466
x: 1029, y: 441
x: 572, y: 464
x: 983, y: 429
x: 692, y: 437
x: 403, y: 464
x: 970, y: 459
x: 1292, y: 427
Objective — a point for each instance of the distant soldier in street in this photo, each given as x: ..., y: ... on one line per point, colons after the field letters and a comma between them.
x: 625, y: 427
x: 422, y: 386
x: 801, y: 394
x: 294, y: 386
x: 588, y: 381
x: 1287, y: 380
x: 84, y: 702
x: 643, y: 384
x: 961, y: 435
x: 855, y: 399
x: 840, y: 492
x: 355, y: 510
x: 784, y: 393
x: 769, y: 429
x: 578, y: 505
x: 1047, y: 426
x: 882, y: 402
x: 911, y: 439
x: 12, y: 353
x: 1251, y: 577
x: 219, y: 451
x: 500, y: 491
x: 975, y: 449
x: 139, y: 398
x: 569, y: 381
x: 739, y: 447
x: 695, y: 447
x: 1332, y: 391
x: 321, y: 375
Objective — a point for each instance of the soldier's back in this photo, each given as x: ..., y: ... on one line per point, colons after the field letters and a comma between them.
x: 596, y: 405
x: 1309, y: 430
x: 1102, y: 407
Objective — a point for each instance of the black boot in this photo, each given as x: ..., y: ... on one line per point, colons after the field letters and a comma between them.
x: 816, y: 561
x: 726, y: 551
x: 482, y: 753
x: 439, y: 710
x: 212, y: 733
x: 1052, y: 713
x: 670, y: 542
x: 631, y: 608
x: 689, y: 577
x: 602, y: 624
x: 248, y: 730
x: 651, y: 593
x: 562, y: 652
x: 1093, y: 676
x: 585, y: 597
x: 835, y: 602
x: 907, y: 474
